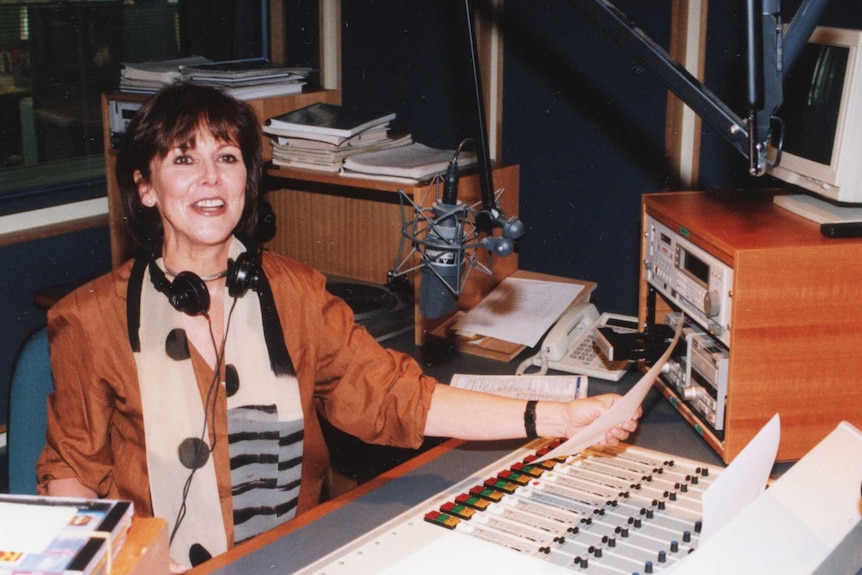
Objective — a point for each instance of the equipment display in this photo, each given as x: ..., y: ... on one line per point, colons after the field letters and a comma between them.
x: 696, y: 281
x: 697, y: 372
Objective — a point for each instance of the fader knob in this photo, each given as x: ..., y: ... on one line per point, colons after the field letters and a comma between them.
x: 711, y: 303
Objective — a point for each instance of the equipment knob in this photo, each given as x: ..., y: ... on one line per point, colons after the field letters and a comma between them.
x: 711, y: 303
x: 689, y: 393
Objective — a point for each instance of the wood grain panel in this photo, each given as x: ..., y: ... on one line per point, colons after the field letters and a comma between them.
x: 351, y: 236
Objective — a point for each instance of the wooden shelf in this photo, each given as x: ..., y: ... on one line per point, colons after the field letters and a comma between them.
x: 795, y: 322
x: 334, y: 179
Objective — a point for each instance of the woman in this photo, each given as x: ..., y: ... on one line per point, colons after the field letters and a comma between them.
x: 191, y: 379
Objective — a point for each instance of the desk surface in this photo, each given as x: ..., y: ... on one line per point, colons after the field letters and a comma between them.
x: 335, y: 523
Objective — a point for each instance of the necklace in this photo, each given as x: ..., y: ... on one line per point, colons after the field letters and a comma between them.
x: 208, y: 278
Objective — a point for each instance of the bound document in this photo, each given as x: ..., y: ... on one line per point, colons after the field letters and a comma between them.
x: 59, y: 535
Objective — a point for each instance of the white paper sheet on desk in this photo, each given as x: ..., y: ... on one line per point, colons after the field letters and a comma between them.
x: 519, y: 310
x: 618, y: 413
x: 537, y: 387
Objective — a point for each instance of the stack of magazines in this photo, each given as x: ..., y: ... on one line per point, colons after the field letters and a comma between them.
x: 242, y: 79
x: 150, y: 77
x: 321, y: 136
x: 247, y: 79
x: 41, y: 535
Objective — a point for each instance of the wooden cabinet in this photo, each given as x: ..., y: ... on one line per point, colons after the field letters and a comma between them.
x: 796, y: 319
x: 263, y: 108
x: 352, y: 227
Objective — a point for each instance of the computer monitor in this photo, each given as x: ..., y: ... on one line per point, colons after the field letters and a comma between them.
x: 822, y: 115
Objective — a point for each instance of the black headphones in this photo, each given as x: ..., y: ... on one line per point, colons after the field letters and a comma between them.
x: 188, y: 292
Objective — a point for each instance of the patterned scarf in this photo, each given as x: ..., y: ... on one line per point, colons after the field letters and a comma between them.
x: 264, y: 421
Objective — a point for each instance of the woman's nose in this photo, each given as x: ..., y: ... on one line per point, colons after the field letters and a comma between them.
x: 209, y: 172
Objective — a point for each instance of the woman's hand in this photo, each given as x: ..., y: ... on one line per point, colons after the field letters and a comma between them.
x: 582, y: 412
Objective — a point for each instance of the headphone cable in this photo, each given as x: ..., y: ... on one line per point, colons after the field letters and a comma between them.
x: 209, y: 404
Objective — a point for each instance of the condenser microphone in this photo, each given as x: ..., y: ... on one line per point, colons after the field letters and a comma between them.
x: 443, y: 261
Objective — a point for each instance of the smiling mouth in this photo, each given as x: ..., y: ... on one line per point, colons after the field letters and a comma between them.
x: 211, y: 204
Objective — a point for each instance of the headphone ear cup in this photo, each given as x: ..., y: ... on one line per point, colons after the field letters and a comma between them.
x: 189, y: 294
x: 242, y: 275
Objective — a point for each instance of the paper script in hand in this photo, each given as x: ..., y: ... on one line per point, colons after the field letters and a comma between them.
x: 618, y: 413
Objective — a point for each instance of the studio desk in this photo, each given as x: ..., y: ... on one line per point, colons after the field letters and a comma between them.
x: 337, y: 522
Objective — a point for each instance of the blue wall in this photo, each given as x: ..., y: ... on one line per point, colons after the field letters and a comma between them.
x: 581, y: 118
x: 585, y: 121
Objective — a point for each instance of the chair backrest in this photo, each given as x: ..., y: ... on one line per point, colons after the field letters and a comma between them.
x: 28, y: 419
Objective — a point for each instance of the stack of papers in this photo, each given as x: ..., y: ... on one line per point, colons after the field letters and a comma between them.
x: 322, y: 136
x: 247, y: 79
x: 406, y: 164
x: 242, y: 79
x: 150, y: 77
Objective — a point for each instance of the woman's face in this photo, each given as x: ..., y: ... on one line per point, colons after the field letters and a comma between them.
x: 199, y: 192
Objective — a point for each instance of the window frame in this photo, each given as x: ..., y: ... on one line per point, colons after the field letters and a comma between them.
x: 32, y: 196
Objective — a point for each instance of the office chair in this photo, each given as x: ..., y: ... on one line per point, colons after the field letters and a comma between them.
x: 31, y: 384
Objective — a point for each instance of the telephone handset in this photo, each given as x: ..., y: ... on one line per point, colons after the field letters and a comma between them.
x: 570, y: 347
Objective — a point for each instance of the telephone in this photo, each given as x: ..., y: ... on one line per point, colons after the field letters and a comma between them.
x: 570, y: 347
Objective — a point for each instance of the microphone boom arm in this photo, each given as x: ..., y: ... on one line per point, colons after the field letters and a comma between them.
x: 491, y: 215
x: 771, y: 55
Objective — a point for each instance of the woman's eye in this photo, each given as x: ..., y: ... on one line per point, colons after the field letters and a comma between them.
x: 229, y: 158
x: 183, y: 159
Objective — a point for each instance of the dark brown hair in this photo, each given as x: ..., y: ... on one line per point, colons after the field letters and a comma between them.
x: 173, y: 117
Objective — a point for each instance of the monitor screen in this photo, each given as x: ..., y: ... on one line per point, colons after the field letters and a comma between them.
x: 822, y: 117
x: 812, y: 98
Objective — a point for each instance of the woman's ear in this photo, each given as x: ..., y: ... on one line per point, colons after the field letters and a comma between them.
x: 145, y: 191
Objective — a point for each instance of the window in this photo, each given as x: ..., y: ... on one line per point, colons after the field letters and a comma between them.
x: 56, y: 59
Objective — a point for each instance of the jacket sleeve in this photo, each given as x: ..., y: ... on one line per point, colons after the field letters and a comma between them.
x: 82, y: 332
x: 378, y: 395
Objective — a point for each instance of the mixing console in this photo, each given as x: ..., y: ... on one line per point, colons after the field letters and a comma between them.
x: 621, y: 510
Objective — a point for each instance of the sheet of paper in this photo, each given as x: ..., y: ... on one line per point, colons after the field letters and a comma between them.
x: 519, y: 310
x: 539, y: 387
x: 619, y: 412
x: 31, y: 528
x: 743, y: 480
